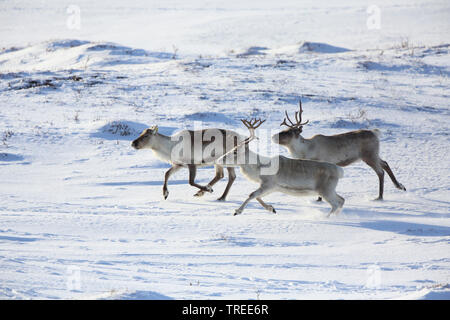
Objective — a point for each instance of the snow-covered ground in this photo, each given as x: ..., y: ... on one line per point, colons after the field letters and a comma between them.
x: 82, y: 213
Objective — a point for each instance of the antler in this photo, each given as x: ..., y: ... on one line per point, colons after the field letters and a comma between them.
x: 298, y: 118
x: 299, y: 122
x: 292, y: 125
x: 251, y: 125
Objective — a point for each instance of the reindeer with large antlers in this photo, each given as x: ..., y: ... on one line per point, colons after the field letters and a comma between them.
x: 191, y: 149
x: 341, y: 149
x: 281, y: 174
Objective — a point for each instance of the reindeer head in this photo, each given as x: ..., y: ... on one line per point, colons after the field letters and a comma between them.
x: 145, y: 138
x: 293, y: 130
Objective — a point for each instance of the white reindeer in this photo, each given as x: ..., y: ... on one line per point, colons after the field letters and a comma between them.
x: 207, y: 145
x: 341, y: 149
x: 294, y: 176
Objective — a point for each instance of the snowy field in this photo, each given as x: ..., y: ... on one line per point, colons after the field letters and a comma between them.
x: 82, y: 214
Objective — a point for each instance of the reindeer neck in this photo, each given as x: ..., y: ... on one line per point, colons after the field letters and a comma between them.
x: 299, y: 147
x: 162, y: 146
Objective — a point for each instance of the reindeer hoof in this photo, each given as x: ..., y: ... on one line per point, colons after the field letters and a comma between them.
x: 319, y: 199
x: 402, y: 187
x: 208, y: 189
x: 221, y: 199
x: 378, y: 199
x: 271, y: 209
x: 165, y: 194
x: 199, y: 193
x: 237, y: 212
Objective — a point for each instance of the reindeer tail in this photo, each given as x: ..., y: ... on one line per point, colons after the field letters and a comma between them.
x: 376, y: 132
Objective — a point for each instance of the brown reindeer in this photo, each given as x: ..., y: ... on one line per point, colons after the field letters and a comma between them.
x: 196, y: 149
x: 341, y: 149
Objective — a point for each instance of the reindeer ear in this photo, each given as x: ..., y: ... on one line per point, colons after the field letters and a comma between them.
x: 154, y: 129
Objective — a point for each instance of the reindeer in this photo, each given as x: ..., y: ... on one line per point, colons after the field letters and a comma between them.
x: 183, y: 154
x: 293, y: 176
x: 341, y: 149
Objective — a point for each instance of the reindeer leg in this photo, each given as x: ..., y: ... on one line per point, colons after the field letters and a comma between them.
x: 386, y: 168
x: 169, y: 172
x: 231, y: 178
x: 336, y: 202
x: 219, y: 175
x: 381, y: 187
x: 327, y: 190
x: 261, y: 191
x: 266, y: 206
x: 376, y: 166
x: 192, y: 173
